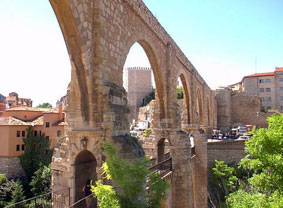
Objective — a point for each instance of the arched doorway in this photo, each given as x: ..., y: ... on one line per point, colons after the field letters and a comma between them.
x: 163, y: 150
x: 85, y: 168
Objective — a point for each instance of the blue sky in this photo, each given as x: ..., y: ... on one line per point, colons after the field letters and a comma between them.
x: 223, y: 40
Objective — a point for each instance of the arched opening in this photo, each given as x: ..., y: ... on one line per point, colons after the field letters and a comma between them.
x: 139, y: 80
x: 199, y: 107
x: 183, y: 99
x: 163, y: 150
x: 85, y: 169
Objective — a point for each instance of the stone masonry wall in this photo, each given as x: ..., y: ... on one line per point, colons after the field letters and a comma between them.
x: 244, y: 108
x: 227, y: 151
x: 223, y: 99
x: 11, y: 167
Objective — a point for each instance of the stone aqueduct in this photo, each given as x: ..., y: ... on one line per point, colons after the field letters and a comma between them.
x: 99, y: 35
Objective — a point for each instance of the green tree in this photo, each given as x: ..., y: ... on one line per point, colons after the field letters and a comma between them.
x: 130, y: 179
x: 265, y: 159
x: 41, y: 180
x: 36, y: 151
x: 11, y: 192
x: 149, y: 97
x: 17, y: 193
x: 44, y: 105
x: 3, y: 179
x: 106, y: 195
x: 225, y: 177
x: 180, y: 93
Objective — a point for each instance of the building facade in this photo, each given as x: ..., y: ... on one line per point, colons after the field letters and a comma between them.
x: 14, y: 100
x: 268, y: 86
x: 13, y: 128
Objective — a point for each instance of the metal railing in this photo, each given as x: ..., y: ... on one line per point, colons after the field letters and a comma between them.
x: 163, y: 167
x: 45, y: 200
x: 153, y: 161
x: 82, y: 202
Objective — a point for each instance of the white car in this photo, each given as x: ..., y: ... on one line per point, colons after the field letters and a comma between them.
x: 134, y: 133
x: 243, y: 138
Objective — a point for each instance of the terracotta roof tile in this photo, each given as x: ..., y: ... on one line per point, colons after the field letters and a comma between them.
x: 260, y: 74
x: 278, y: 69
x: 26, y: 108
x: 12, y: 121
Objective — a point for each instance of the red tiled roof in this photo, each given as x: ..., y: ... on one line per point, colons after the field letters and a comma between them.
x: 12, y: 121
x: 278, y: 69
x: 26, y: 108
x: 63, y: 123
x: 260, y: 74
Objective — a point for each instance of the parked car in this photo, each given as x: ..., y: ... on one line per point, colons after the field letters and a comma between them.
x: 243, y: 138
x: 134, y: 133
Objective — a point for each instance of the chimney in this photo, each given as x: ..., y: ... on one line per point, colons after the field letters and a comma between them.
x: 61, y: 114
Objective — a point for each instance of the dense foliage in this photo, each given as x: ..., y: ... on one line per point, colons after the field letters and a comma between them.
x: 36, y: 151
x: 41, y: 180
x: 265, y: 159
x: 130, y: 179
x: 3, y: 179
x: 44, y: 105
x: 180, y: 93
x: 261, y: 185
x: 149, y: 97
x: 11, y: 192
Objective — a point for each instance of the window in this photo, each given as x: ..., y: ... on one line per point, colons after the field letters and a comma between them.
x: 268, y: 108
x: 268, y: 90
x: 39, y: 133
x: 261, y: 81
x: 18, y: 147
x: 281, y: 80
x: 23, y: 147
x: 261, y: 89
x: 281, y: 107
x: 267, y: 80
x: 23, y: 133
x: 281, y: 88
x: 268, y: 98
x: 58, y: 133
x: 281, y: 97
x: 47, y: 138
x: 262, y: 99
x: 35, y: 133
x: 47, y: 124
x: 18, y: 133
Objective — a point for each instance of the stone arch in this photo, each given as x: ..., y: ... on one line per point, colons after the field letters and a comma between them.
x: 85, y: 168
x: 153, y: 60
x: 187, y: 96
x: 162, y: 149
x: 199, y: 106
x: 77, y: 56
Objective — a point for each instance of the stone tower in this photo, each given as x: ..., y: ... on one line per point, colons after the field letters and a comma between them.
x: 137, y: 82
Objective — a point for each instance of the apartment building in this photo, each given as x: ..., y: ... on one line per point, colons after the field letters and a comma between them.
x: 268, y: 86
x: 13, y: 125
